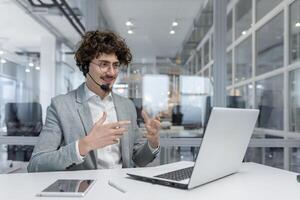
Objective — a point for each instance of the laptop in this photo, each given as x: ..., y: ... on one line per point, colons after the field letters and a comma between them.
x: 221, y: 153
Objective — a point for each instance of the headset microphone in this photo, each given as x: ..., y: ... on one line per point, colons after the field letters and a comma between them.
x: 104, y: 87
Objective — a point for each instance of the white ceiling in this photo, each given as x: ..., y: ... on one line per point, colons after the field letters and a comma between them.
x: 152, y: 21
x: 18, y: 30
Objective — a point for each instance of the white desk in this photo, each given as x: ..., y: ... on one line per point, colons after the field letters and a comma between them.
x: 253, y: 182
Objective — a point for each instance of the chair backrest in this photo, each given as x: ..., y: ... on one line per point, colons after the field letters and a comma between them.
x: 23, y: 119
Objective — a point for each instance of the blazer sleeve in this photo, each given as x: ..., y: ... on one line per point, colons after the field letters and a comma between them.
x: 141, y: 155
x: 49, y: 154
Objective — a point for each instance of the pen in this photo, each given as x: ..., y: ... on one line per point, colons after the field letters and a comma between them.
x: 114, y: 185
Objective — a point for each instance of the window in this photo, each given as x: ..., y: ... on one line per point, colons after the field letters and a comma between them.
x: 243, y: 60
x: 265, y: 6
x: 206, y: 52
x: 243, y: 17
x: 229, y: 28
x: 199, y: 59
x: 269, y: 100
x: 242, y: 97
x: 194, y: 94
x: 294, y: 32
x: 206, y: 73
x: 294, y: 159
x: 294, y: 99
x: 269, y: 46
x: 229, y: 68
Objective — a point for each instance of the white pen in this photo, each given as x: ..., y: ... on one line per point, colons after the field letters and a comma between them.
x: 114, y: 185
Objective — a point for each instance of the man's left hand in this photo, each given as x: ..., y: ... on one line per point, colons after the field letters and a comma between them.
x: 152, y: 126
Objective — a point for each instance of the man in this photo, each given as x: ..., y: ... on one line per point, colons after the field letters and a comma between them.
x: 91, y: 127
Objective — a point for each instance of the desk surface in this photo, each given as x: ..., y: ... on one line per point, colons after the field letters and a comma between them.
x: 254, y: 181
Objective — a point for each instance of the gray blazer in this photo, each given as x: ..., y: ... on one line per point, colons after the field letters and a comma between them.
x: 69, y: 119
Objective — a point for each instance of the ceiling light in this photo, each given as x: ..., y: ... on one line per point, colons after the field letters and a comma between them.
x: 244, y: 32
x: 129, y: 23
x: 37, y: 68
x: 27, y: 70
x: 1, y: 52
x: 3, y: 61
x: 297, y: 24
x: 172, y: 32
x: 31, y: 64
x: 174, y: 23
x: 130, y: 31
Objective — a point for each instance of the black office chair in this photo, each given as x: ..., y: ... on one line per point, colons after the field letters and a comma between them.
x: 22, y: 119
x: 177, y: 115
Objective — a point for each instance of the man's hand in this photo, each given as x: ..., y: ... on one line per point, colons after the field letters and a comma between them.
x: 102, y: 135
x: 152, y: 126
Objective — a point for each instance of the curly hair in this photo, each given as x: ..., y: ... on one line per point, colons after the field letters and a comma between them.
x: 94, y: 43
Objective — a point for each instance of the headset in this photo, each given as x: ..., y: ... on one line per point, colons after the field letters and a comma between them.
x: 85, y: 69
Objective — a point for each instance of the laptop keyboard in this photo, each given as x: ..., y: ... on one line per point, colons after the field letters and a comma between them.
x: 177, y: 175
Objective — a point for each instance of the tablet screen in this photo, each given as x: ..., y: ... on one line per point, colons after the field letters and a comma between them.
x: 68, y: 187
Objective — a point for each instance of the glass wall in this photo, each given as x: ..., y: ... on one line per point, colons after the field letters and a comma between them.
x: 294, y: 99
x: 229, y: 34
x: 294, y: 37
x: 263, y: 72
x: 229, y: 68
x: 269, y: 45
x: 243, y: 60
x: 206, y: 52
x: 263, y: 7
x: 269, y: 100
x: 243, y: 17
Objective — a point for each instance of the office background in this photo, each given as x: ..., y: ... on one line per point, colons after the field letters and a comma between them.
x: 172, y: 72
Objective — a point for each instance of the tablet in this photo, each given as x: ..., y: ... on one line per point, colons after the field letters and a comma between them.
x: 68, y: 188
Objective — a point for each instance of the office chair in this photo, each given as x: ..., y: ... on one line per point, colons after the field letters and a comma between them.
x: 177, y: 115
x: 22, y: 119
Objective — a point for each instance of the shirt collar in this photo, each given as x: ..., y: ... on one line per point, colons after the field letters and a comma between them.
x: 90, y: 94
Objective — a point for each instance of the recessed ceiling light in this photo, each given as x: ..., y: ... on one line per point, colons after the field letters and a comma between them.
x: 244, y: 32
x: 30, y: 64
x: 174, y: 23
x: 129, y: 23
x: 37, y: 68
x: 297, y: 24
x: 27, y: 70
x: 1, y: 52
x: 172, y: 32
x: 3, y: 61
x: 130, y: 31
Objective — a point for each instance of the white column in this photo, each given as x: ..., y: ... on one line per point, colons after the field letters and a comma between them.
x: 47, y: 72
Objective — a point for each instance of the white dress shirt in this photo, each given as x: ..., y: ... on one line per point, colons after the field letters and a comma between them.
x: 109, y: 156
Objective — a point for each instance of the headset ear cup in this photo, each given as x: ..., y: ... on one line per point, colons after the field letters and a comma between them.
x: 84, y: 68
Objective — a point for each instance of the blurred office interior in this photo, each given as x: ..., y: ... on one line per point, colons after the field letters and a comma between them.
x: 187, y: 58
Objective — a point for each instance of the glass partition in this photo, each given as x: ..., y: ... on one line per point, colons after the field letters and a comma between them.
x: 294, y: 99
x: 269, y: 46
x: 263, y: 7
x: 243, y: 17
x: 243, y: 60
x: 294, y: 32
x: 269, y: 100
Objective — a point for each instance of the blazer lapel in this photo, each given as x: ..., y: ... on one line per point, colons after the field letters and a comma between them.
x: 122, y: 115
x: 85, y: 117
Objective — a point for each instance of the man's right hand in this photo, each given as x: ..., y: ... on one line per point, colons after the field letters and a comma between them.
x: 102, y: 135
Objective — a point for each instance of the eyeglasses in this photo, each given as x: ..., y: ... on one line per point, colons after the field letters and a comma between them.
x: 105, y: 65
